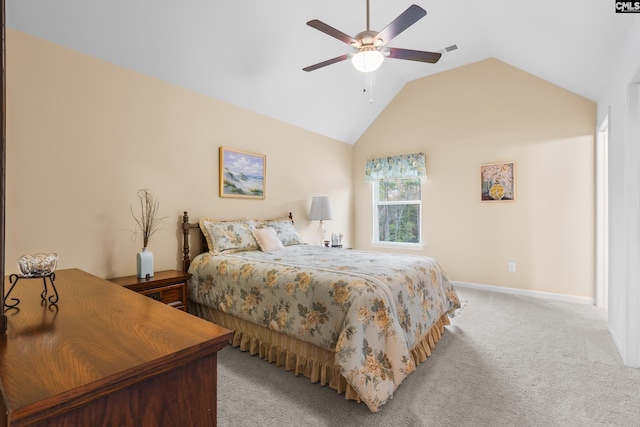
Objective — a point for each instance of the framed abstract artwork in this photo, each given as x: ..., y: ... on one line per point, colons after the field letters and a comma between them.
x: 498, y: 182
x: 242, y: 174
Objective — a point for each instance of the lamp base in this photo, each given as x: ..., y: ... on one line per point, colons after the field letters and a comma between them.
x: 322, y: 233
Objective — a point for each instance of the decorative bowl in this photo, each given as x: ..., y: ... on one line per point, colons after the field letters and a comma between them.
x: 37, y: 265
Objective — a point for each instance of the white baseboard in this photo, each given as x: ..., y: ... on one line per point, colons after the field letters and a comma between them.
x: 525, y: 292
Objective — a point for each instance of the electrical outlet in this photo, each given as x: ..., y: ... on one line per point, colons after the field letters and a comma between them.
x: 511, y: 267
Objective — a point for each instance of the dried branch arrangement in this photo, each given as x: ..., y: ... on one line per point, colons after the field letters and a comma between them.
x: 148, y: 222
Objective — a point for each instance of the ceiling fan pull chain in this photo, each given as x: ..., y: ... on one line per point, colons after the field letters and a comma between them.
x: 364, y: 84
x: 370, y: 88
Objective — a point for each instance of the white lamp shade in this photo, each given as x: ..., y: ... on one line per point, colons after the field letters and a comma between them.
x: 320, y: 209
x: 367, y: 60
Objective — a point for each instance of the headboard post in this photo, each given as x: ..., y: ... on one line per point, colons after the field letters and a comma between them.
x: 186, y: 259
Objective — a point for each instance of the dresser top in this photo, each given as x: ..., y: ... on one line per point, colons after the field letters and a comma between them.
x: 98, y: 338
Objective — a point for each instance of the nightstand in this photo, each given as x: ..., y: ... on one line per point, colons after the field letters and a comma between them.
x: 169, y: 287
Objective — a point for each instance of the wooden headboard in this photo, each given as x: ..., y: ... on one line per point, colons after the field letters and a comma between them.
x: 202, y: 243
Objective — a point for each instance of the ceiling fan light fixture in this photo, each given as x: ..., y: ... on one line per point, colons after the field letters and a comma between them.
x: 367, y: 60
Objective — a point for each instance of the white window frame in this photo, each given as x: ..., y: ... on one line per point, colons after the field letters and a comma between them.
x: 400, y: 245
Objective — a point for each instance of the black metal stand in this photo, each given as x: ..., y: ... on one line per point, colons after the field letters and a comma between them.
x: 13, y: 279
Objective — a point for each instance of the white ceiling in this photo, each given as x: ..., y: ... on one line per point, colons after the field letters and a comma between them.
x: 251, y: 53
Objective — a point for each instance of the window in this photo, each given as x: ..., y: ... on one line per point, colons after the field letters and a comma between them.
x: 397, y: 198
x: 397, y: 216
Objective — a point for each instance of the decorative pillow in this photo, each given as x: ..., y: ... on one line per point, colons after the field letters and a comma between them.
x: 267, y: 239
x: 227, y: 236
x: 285, y: 231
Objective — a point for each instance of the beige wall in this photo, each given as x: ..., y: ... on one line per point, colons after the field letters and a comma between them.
x: 84, y: 135
x: 490, y: 112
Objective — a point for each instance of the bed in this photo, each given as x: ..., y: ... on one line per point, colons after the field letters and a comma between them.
x: 359, y: 322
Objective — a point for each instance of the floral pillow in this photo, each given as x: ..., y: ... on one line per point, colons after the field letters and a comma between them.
x: 285, y: 231
x: 228, y: 236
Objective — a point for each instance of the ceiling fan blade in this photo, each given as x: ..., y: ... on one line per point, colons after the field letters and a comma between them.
x: 414, y: 55
x: 406, y: 19
x: 328, y: 29
x: 325, y: 63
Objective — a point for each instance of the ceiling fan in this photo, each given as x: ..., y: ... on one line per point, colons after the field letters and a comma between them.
x: 370, y: 46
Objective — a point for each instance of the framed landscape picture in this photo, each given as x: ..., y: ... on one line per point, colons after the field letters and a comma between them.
x: 242, y: 174
x: 498, y: 182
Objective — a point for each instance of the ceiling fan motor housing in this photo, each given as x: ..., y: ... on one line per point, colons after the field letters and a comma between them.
x: 368, y: 38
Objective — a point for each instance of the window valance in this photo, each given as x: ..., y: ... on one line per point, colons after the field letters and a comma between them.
x: 396, y: 167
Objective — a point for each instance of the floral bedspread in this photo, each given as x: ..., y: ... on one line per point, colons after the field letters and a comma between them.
x: 369, y: 308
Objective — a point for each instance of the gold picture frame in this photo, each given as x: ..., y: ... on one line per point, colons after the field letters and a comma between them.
x: 242, y: 174
x: 498, y: 182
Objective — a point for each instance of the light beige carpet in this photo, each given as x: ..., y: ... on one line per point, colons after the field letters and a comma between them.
x: 504, y: 361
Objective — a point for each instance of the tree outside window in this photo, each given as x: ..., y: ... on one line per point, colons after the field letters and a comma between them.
x: 397, y: 211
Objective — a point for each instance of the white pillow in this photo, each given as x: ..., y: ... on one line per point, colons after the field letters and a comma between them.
x: 267, y: 239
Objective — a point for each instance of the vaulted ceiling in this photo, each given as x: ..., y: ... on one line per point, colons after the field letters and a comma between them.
x: 251, y: 53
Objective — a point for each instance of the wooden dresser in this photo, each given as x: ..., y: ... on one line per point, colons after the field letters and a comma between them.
x: 105, y: 356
